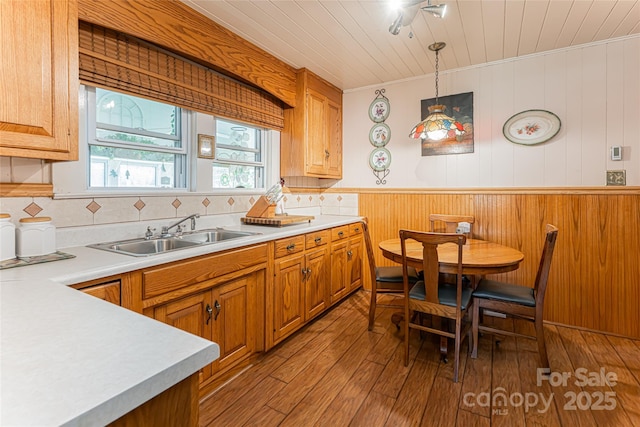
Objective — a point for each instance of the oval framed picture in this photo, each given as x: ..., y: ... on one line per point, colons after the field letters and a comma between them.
x: 379, y: 110
x: 531, y: 127
x: 380, y: 159
x: 379, y: 135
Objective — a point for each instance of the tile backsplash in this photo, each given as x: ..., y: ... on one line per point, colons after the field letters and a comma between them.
x: 84, y: 212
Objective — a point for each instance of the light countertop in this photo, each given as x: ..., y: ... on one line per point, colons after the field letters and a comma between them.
x: 68, y: 358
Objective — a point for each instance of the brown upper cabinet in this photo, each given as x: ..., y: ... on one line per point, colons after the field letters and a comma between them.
x: 311, y: 142
x: 39, y: 79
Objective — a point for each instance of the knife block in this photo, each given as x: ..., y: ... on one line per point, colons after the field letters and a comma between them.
x: 262, y: 209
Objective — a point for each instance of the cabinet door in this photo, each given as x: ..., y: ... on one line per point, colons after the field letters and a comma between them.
x: 288, y: 296
x: 317, y: 151
x: 234, y: 327
x: 334, y: 140
x: 190, y: 314
x: 39, y: 57
x: 339, y: 278
x: 316, y: 280
x: 354, y: 262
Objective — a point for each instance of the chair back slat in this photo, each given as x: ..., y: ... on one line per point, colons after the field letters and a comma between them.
x: 542, y: 277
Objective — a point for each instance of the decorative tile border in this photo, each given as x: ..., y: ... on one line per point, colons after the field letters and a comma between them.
x: 114, y: 210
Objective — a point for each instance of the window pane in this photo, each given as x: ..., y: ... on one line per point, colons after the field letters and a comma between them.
x: 138, y: 139
x: 228, y: 133
x: 137, y: 114
x: 237, y: 155
x: 123, y: 167
x: 236, y: 176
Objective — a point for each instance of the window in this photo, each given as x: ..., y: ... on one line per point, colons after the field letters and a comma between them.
x: 239, y: 158
x: 135, y: 142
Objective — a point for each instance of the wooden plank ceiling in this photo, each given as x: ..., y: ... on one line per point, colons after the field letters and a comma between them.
x: 348, y: 43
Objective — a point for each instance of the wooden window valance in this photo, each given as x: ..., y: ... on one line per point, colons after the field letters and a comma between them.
x: 113, y: 60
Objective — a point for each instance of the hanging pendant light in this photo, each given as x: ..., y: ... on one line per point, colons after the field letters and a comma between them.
x: 437, y: 126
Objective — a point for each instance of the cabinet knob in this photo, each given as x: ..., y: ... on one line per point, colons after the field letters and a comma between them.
x: 291, y: 247
x: 349, y: 254
x: 318, y: 240
x: 326, y: 154
x: 340, y: 233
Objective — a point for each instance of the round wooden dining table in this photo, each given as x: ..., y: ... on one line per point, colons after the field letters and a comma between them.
x: 479, y: 257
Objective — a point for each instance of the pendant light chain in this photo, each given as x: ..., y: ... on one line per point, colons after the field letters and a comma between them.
x: 437, y: 78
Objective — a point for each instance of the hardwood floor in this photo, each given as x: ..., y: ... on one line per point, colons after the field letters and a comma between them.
x: 335, y: 372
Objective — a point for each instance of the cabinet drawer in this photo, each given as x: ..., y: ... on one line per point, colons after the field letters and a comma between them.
x: 109, y: 292
x: 355, y: 229
x: 289, y: 245
x: 157, y: 281
x: 339, y: 233
x: 316, y: 239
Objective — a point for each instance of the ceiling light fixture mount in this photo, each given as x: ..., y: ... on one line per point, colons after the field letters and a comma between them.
x: 437, y: 125
x: 437, y: 10
x: 407, y: 11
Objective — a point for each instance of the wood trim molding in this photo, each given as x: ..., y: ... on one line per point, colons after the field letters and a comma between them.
x: 8, y: 189
x: 474, y: 191
x: 175, y: 26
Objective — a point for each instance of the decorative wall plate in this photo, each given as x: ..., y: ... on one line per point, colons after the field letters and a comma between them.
x: 531, y: 127
x: 380, y: 159
x: 380, y: 134
x: 379, y: 109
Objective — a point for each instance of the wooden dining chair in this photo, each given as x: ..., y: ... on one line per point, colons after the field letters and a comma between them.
x: 517, y: 301
x: 442, y: 223
x: 431, y: 296
x: 384, y: 279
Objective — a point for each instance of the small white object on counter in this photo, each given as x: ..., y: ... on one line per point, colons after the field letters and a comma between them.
x: 36, y: 236
x: 7, y: 237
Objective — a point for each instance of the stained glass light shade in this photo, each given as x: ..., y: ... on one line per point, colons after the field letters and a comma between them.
x: 437, y: 126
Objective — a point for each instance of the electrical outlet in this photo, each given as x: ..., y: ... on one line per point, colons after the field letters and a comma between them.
x: 617, y: 177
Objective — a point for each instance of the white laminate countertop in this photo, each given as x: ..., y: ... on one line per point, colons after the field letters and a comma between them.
x: 68, y: 358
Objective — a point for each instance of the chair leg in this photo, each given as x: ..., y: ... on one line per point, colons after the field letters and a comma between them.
x: 542, y: 347
x: 372, y: 306
x: 457, y: 344
x: 475, y: 326
x: 406, y: 336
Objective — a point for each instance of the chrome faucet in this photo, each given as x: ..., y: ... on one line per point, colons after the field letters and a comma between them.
x: 165, y: 229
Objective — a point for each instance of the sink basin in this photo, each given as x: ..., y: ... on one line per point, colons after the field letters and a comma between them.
x: 144, y: 247
x: 212, y: 236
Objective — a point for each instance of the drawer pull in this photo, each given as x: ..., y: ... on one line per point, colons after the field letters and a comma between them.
x: 291, y: 247
x: 318, y: 240
x: 209, y: 311
x: 340, y: 233
x: 217, y: 306
x: 357, y: 229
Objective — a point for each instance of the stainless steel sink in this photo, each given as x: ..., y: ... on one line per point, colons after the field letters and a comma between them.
x: 153, y: 246
x: 212, y: 236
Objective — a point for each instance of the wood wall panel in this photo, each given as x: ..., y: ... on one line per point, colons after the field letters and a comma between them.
x: 595, y: 274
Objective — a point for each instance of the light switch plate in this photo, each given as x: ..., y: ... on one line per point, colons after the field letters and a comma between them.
x: 616, y: 152
x: 617, y: 177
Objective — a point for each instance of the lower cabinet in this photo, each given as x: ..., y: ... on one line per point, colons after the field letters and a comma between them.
x: 224, y: 314
x: 299, y: 290
x: 346, y: 260
x: 191, y: 314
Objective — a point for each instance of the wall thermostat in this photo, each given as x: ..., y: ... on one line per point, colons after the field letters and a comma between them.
x: 616, y: 152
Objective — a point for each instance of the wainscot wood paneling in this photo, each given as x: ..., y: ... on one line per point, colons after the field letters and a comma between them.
x: 595, y: 274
